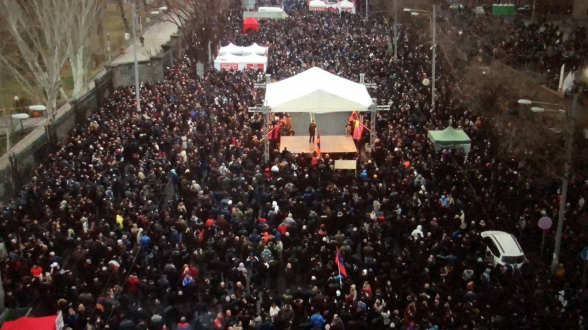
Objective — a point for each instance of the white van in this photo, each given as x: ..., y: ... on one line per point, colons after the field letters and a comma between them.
x: 503, y: 248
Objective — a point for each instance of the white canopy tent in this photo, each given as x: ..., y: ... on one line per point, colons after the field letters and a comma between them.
x: 255, y: 49
x: 317, y: 91
x: 238, y: 50
x: 254, y: 61
x: 317, y: 5
x: 231, y: 49
x: 232, y: 62
x: 347, y: 6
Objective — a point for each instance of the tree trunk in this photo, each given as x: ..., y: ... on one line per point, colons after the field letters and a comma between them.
x: 78, y: 68
x: 121, y: 8
x: 100, y: 28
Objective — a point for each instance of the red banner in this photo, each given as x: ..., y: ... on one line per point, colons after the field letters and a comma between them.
x: 229, y: 66
x: 255, y: 66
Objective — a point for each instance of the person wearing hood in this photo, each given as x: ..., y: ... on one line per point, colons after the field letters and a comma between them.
x: 418, y: 232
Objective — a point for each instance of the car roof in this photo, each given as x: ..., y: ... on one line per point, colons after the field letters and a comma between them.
x: 507, y: 243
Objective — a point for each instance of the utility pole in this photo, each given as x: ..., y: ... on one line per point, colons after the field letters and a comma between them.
x: 564, y: 181
x: 434, y: 26
x: 1, y: 293
x: 395, y: 29
x: 533, y: 12
x: 137, y: 86
x: 366, y: 10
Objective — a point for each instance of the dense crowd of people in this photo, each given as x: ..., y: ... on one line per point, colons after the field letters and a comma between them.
x: 539, y: 47
x: 168, y: 218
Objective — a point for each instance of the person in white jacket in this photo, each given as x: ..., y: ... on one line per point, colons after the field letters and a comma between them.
x: 418, y: 232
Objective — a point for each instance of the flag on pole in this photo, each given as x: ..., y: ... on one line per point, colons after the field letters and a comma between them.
x: 340, y: 263
x: 358, y: 130
x: 274, y: 133
x: 318, y: 145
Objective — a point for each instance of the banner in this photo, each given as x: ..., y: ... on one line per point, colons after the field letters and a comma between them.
x: 229, y: 66
x: 254, y: 66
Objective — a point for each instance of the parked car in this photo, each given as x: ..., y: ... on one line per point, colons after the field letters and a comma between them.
x: 525, y: 9
x: 503, y: 248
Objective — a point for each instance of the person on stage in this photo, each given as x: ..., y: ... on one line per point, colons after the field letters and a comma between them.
x: 311, y: 131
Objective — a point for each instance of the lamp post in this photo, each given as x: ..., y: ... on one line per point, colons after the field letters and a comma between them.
x: 569, y: 146
x: 395, y: 29
x: 431, y: 15
x: 137, y: 87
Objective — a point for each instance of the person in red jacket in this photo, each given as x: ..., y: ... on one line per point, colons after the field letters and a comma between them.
x: 183, y: 325
x: 133, y: 283
x: 37, y: 271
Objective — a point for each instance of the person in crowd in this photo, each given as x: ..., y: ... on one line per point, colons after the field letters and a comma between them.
x: 168, y: 217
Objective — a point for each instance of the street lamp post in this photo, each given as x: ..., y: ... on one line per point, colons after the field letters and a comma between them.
x: 395, y: 29
x: 569, y: 146
x: 432, y: 15
x: 137, y: 87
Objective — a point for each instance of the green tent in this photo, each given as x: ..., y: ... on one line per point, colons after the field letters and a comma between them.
x: 450, y: 137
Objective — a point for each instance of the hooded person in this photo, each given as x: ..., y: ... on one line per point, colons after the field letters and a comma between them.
x: 418, y: 232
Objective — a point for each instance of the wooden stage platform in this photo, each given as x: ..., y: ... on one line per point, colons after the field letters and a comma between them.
x: 329, y: 144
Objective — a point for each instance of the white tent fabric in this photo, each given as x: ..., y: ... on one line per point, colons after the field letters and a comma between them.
x: 231, y: 49
x: 317, y: 5
x: 232, y: 62
x: 227, y: 62
x: 270, y: 10
x: 347, y: 6
x: 238, y: 50
x: 255, y: 49
x: 317, y: 91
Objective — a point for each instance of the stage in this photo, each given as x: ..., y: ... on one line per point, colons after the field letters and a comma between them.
x: 330, y: 144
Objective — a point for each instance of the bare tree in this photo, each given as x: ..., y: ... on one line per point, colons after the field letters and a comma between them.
x: 196, y: 19
x: 41, y: 30
x: 121, y: 8
x: 85, y: 14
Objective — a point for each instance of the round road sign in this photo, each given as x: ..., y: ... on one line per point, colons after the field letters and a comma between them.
x: 545, y: 223
x: 584, y: 254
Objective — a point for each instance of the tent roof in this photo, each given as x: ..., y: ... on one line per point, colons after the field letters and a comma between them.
x: 231, y: 49
x: 37, y: 323
x: 347, y: 4
x: 255, y: 49
x: 449, y: 136
x: 250, y: 20
x: 317, y: 3
x: 317, y: 91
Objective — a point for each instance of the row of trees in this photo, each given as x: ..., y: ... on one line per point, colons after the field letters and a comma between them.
x: 46, y: 34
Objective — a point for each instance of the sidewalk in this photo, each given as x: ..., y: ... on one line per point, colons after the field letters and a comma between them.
x: 158, y: 34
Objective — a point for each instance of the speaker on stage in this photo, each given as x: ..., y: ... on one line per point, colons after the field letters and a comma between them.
x: 255, y: 125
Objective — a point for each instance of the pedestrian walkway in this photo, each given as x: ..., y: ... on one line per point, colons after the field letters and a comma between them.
x: 156, y: 36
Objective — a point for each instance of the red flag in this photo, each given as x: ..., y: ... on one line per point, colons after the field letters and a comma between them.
x: 274, y: 133
x: 318, y: 145
x: 340, y: 263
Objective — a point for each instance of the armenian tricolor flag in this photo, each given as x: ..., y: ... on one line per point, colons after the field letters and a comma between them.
x: 340, y: 263
x: 358, y: 130
x: 318, y: 145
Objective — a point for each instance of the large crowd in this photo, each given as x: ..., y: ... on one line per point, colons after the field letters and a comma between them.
x: 540, y: 47
x: 168, y: 218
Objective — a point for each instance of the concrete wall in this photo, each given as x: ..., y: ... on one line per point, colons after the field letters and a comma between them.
x: 124, y: 74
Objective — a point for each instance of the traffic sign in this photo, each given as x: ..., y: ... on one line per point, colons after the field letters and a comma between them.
x: 584, y: 254
x: 545, y: 223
